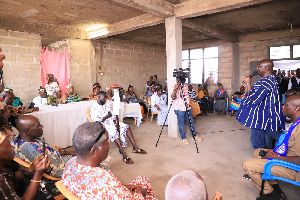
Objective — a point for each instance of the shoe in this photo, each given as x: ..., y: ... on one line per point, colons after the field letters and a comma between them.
x: 272, y: 196
x: 247, y: 177
x: 198, y: 138
x: 185, y: 141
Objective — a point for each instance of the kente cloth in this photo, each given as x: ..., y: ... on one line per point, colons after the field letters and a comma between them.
x: 28, y: 151
x: 281, y: 148
x: 39, y: 101
x: 262, y: 108
x: 87, y: 183
x: 98, y: 112
x: 161, y: 102
x: 73, y: 98
x: 235, y: 104
x: 93, y: 95
x: 195, y: 108
x: 52, y: 89
x: 7, y: 189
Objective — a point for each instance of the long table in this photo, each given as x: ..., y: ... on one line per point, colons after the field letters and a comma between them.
x: 60, y: 122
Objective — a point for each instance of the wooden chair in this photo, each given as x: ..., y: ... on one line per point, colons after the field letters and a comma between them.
x: 152, y: 113
x: 65, y: 191
x: 27, y: 165
x: 88, y: 115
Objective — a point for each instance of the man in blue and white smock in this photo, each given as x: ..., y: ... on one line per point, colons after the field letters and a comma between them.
x: 260, y: 109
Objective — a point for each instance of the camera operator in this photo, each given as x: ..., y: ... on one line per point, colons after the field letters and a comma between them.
x: 182, y: 109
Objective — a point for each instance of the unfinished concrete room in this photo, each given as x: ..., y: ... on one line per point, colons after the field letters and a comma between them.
x: 125, y: 42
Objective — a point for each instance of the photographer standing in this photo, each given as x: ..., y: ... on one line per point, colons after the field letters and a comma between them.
x: 182, y: 109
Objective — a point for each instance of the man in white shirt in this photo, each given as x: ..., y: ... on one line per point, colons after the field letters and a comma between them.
x: 40, y: 100
x: 294, y: 82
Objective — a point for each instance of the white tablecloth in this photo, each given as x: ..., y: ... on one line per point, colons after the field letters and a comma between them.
x: 60, y: 122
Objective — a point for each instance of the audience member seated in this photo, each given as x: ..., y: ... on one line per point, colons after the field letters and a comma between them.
x: 131, y: 97
x: 96, y: 90
x: 8, y: 183
x: 8, y: 97
x: 85, y: 176
x: 41, y: 100
x: 70, y: 96
x: 194, y: 97
x: 110, y: 95
x: 52, y: 89
x: 236, y: 101
x: 5, y: 126
x: 220, y: 98
x: 159, y: 104
x: 100, y: 112
x: 287, y: 150
x: 187, y: 185
x: 149, y: 84
x: 29, y: 145
x: 165, y: 91
x: 151, y: 92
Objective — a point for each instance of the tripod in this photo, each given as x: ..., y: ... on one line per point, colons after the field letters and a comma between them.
x: 187, y: 110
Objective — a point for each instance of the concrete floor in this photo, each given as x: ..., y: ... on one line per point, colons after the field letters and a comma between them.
x: 219, y: 160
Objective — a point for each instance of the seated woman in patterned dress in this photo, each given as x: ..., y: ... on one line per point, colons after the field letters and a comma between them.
x: 131, y: 97
x: 70, y: 96
x: 96, y: 90
x: 85, y: 176
x: 159, y: 104
x: 220, y: 98
x: 52, y: 89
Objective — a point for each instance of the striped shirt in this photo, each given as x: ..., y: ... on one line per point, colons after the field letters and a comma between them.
x: 263, y: 109
x: 179, y: 101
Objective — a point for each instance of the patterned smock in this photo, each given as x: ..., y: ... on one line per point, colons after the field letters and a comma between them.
x: 98, y: 183
x: 73, y: 98
x: 28, y: 151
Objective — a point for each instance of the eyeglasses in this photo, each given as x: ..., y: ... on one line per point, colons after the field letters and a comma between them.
x: 100, y: 135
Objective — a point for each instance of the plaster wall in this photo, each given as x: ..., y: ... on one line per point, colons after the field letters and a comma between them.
x: 21, y: 71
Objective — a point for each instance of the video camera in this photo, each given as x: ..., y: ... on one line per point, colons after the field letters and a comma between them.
x: 181, y: 74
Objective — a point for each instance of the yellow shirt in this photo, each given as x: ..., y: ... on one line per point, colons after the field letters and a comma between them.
x: 200, y: 94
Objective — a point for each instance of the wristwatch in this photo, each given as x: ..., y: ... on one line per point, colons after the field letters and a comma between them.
x: 247, y: 84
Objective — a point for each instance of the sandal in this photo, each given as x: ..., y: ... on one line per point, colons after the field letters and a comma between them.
x: 139, y: 151
x: 128, y: 160
x: 247, y: 177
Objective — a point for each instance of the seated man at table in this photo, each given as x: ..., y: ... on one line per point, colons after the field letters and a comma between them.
x: 100, y: 112
x: 85, y: 175
x: 40, y: 100
x: 29, y: 145
x: 287, y: 150
x: 70, y: 96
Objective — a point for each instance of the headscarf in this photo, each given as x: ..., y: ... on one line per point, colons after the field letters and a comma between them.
x: 242, y: 87
x: 96, y: 85
x: 68, y: 86
x: 8, y: 90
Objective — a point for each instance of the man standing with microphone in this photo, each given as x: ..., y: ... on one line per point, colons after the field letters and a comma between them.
x: 182, y: 109
x: 261, y: 109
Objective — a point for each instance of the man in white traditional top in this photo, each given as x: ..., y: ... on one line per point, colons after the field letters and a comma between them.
x: 40, y: 100
x: 100, y: 112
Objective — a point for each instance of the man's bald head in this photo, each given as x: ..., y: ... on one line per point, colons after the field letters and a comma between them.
x: 291, y: 108
x: 265, y: 67
x: 29, y: 128
x: 25, y: 122
x: 187, y: 185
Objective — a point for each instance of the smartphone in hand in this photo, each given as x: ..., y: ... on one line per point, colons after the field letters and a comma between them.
x: 44, y: 148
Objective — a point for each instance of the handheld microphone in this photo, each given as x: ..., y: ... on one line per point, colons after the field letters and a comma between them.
x: 253, y: 74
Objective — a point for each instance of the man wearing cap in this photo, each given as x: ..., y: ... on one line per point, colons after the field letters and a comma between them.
x: 261, y: 109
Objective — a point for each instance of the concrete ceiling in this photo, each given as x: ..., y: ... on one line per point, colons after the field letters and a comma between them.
x: 142, y: 20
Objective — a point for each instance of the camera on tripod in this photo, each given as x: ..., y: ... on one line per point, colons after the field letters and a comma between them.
x: 181, y: 74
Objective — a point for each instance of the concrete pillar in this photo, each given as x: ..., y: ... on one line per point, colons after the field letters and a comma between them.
x: 174, y: 61
x: 235, y: 84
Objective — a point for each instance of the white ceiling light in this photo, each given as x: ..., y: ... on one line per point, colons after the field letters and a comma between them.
x: 97, y: 33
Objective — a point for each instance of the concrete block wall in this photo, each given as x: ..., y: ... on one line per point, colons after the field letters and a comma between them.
x: 129, y: 63
x: 258, y: 50
x: 21, y: 71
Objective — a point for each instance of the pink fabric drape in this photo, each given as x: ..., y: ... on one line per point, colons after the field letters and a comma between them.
x: 55, y: 63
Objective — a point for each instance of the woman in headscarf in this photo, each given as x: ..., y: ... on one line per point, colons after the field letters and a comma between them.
x: 52, y: 89
x: 70, y: 96
x: 131, y: 97
x: 220, y: 98
x: 96, y: 90
x: 236, y: 100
